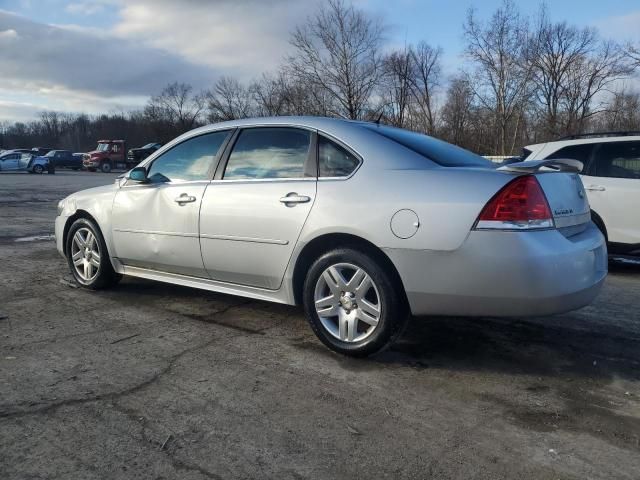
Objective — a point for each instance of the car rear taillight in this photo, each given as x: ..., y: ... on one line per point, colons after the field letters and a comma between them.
x: 520, y: 205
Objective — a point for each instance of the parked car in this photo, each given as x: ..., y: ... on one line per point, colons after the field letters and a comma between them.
x: 81, y: 157
x: 64, y: 159
x: 17, y: 161
x: 612, y: 180
x: 136, y: 155
x: 109, y: 154
x: 361, y: 223
x: 40, y: 151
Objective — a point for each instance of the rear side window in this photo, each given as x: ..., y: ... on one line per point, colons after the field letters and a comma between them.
x: 334, y: 160
x: 272, y: 152
x: 443, y: 153
x: 618, y: 160
x: 581, y: 153
x: 189, y: 160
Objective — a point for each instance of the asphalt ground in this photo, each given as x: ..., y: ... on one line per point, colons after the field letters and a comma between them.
x: 149, y: 380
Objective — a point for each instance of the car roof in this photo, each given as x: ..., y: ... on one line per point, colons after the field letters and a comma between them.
x: 309, y: 121
x: 582, y: 141
x: 539, y: 150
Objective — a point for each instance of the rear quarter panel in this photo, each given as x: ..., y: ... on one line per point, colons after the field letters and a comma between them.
x: 447, y: 202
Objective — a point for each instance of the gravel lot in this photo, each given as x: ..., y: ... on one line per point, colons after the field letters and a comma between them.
x: 156, y: 381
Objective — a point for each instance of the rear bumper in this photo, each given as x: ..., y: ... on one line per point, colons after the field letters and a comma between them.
x: 505, y: 274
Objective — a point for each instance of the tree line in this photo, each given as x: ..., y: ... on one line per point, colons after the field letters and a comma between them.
x: 523, y: 80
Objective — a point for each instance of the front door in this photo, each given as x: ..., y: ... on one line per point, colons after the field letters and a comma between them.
x: 252, y: 215
x: 155, y: 224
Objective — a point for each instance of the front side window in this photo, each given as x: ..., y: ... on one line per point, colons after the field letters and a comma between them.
x: 618, y: 160
x: 270, y: 152
x: 334, y: 160
x: 189, y: 160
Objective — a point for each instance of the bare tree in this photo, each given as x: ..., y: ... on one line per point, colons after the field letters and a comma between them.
x: 175, y: 108
x: 397, y: 84
x: 623, y: 113
x: 271, y: 94
x: 633, y: 51
x: 588, y: 80
x: 228, y: 100
x: 425, y: 81
x: 337, y: 50
x: 457, y: 111
x: 501, y: 51
x: 562, y: 49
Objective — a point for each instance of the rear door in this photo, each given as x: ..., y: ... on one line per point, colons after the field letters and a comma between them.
x: 155, y: 224
x: 613, y: 185
x: 254, y: 210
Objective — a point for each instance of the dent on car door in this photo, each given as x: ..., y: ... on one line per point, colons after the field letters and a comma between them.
x: 613, y: 187
x: 155, y: 224
x: 254, y: 210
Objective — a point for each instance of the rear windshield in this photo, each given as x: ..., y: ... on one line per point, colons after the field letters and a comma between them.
x: 442, y: 153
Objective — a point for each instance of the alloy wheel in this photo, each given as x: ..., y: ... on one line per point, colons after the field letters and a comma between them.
x: 347, y: 302
x: 85, y: 254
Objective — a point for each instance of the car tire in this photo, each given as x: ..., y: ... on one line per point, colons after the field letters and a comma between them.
x: 87, y: 256
x: 352, y: 304
x: 105, y: 167
x: 38, y: 169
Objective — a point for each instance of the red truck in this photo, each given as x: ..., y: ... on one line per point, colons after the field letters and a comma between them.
x: 108, y: 155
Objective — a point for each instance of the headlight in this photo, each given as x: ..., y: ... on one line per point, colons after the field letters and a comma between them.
x: 61, y: 206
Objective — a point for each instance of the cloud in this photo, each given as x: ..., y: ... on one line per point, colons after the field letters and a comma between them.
x: 9, y: 34
x: 623, y: 28
x: 150, y: 44
x: 243, y: 38
x: 57, y: 64
x: 85, y: 8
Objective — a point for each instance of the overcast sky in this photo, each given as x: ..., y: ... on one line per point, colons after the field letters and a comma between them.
x: 104, y: 55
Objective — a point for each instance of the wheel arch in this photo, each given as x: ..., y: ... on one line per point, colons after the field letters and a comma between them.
x: 330, y: 241
x: 597, y: 219
x: 67, y: 226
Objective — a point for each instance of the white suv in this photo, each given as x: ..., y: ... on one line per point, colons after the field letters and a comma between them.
x: 611, y: 177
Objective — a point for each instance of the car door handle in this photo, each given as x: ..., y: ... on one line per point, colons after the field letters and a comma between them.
x: 184, y: 198
x: 293, y: 197
x: 595, y: 188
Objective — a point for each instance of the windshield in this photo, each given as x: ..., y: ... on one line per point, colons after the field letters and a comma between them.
x: 440, y: 152
x: 149, y: 145
x: 51, y: 153
x: 103, y: 147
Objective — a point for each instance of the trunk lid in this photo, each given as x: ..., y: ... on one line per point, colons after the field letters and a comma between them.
x: 567, y: 199
x: 563, y: 188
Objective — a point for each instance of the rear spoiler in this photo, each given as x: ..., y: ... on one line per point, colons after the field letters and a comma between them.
x: 554, y: 165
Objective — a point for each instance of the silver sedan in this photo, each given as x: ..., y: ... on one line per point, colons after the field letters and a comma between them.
x: 363, y: 224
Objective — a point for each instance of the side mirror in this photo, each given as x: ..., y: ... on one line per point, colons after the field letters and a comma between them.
x: 139, y: 174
